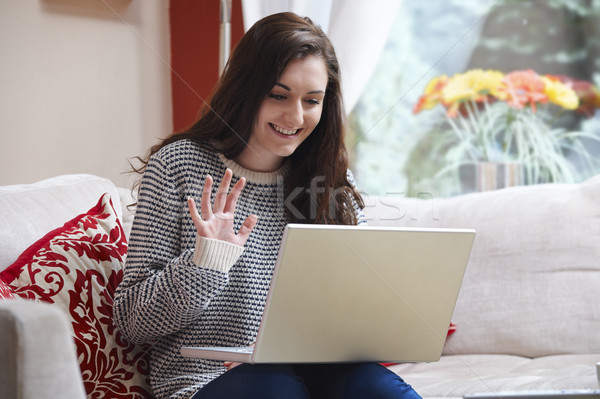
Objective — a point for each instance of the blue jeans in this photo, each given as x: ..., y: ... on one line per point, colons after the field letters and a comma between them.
x: 303, y: 381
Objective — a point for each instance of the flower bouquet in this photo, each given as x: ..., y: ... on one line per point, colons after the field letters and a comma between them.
x: 495, y: 117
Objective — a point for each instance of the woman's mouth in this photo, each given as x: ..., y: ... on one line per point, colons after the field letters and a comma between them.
x: 282, y: 130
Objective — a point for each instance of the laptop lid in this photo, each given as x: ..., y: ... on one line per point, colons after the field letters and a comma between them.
x: 348, y: 293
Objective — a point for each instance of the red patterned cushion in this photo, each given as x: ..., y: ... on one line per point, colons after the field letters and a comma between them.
x: 5, y: 291
x: 78, y: 267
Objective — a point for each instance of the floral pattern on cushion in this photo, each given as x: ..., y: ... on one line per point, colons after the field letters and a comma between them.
x: 78, y: 267
x: 5, y: 291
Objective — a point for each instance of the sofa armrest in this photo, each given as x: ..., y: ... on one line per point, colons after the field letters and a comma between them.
x: 37, y: 352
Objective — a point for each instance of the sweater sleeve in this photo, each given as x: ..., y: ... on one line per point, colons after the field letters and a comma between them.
x: 166, y: 287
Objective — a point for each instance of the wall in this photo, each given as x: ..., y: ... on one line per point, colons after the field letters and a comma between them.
x: 85, y: 85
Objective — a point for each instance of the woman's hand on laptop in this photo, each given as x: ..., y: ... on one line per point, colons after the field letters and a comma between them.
x: 216, y: 221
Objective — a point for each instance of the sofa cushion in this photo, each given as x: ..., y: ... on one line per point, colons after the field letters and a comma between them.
x: 77, y: 268
x: 456, y: 376
x: 128, y: 203
x: 28, y: 211
x: 531, y: 285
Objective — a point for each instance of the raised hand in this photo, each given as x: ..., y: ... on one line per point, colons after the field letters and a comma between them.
x: 216, y: 221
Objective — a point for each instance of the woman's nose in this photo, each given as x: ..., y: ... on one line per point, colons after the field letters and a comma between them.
x: 294, y: 114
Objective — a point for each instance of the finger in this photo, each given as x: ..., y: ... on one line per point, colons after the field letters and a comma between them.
x: 233, y: 196
x: 205, y: 201
x: 222, y: 191
x: 247, y: 227
x: 194, y: 213
x: 231, y: 365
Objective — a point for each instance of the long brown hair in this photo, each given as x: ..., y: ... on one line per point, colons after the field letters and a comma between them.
x: 226, y: 123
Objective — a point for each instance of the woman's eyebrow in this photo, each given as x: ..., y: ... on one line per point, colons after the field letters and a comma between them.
x: 283, y: 86
x: 288, y: 89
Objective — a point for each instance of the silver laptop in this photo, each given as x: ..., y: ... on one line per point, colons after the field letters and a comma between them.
x: 348, y: 293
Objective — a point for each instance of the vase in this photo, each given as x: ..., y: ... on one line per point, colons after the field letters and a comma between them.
x: 486, y: 176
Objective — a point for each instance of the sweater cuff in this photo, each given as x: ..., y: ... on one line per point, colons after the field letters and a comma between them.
x: 216, y: 254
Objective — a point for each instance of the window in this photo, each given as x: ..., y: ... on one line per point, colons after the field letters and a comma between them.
x: 392, y: 149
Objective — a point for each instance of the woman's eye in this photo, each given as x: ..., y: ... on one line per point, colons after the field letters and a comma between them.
x: 313, y: 102
x: 276, y: 96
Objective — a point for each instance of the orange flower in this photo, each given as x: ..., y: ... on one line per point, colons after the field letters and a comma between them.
x: 521, y: 88
x: 433, y: 94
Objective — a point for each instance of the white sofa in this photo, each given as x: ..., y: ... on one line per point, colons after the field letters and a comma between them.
x: 527, y: 317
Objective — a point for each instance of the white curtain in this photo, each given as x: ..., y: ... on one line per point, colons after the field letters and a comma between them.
x: 358, y: 30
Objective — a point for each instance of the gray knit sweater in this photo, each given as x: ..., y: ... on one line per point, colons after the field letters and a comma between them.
x: 180, y: 289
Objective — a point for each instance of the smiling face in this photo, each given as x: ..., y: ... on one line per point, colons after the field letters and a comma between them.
x: 287, y: 115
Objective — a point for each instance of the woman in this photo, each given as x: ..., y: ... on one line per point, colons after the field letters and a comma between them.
x: 274, y: 128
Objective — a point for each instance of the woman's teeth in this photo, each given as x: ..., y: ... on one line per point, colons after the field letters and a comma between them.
x: 284, y: 131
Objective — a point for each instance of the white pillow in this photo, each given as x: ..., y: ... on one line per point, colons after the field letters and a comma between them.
x: 29, y: 211
x: 531, y: 285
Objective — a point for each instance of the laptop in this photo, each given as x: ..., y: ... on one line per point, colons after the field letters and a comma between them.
x: 353, y: 293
